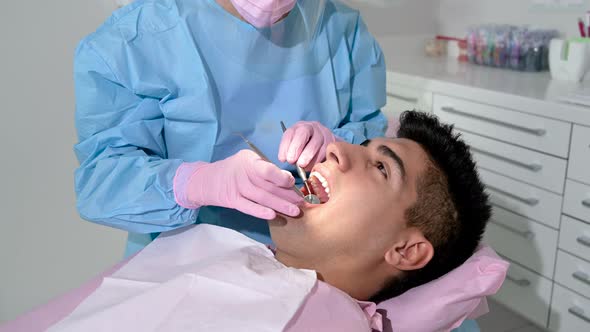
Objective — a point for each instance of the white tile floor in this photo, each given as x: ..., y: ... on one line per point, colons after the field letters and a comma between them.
x: 502, y: 319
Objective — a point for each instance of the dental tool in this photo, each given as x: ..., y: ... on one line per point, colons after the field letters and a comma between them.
x: 263, y: 157
x: 310, y: 198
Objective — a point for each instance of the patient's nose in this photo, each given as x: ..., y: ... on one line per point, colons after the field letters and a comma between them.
x: 339, y: 153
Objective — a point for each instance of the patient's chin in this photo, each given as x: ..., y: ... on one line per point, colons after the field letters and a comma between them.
x: 286, y: 231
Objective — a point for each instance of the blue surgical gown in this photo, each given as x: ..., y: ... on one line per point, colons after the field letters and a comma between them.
x: 164, y: 82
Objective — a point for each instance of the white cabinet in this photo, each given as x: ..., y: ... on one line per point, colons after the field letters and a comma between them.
x: 535, y: 163
x: 574, y: 237
x: 573, y: 272
x: 579, y: 166
x: 403, y: 98
x: 524, y: 241
x: 532, y: 167
x: 570, y: 312
x: 577, y: 200
x: 527, y: 291
x: 530, y: 131
x: 523, y: 199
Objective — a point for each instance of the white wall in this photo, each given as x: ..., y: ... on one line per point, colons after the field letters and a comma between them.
x: 45, y: 248
x: 398, y: 17
x: 453, y: 17
x: 456, y: 16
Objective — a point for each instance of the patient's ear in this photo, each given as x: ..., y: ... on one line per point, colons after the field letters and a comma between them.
x: 413, y: 252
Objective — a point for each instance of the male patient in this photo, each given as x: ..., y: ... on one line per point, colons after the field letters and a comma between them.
x: 398, y: 212
x: 395, y: 213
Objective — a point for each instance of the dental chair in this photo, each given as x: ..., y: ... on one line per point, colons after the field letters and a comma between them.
x: 468, y: 326
x: 441, y: 305
x: 445, y: 304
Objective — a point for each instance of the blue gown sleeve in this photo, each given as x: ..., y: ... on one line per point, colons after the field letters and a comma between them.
x: 365, y: 119
x: 125, y: 179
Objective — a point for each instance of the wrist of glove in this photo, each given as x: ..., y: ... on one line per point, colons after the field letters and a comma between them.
x: 305, y: 144
x: 243, y: 182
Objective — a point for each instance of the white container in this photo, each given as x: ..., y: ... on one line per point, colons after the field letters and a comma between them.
x: 569, y: 60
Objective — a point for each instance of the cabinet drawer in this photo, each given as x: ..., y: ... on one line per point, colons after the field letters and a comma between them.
x: 573, y: 273
x: 522, y: 199
x: 579, y: 165
x: 570, y: 312
x: 538, y: 133
x: 574, y: 236
x: 401, y: 98
x: 536, y: 168
x: 577, y: 200
x: 522, y: 240
x: 526, y: 293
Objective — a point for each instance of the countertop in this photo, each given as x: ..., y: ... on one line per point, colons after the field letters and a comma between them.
x: 534, y: 93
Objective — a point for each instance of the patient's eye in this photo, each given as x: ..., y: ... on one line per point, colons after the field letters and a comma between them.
x: 381, y: 167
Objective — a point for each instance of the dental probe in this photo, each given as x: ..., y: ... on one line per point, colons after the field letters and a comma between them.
x: 310, y: 198
x: 263, y: 157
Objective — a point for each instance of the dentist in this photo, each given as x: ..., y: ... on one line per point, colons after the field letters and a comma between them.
x: 163, y: 86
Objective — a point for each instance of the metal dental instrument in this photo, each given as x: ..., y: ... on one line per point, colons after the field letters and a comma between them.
x: 261, y: 155
x: 310, y: 198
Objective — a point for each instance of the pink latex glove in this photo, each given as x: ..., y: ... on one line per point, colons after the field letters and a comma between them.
x: 305, y: 144
x: 243, y: 182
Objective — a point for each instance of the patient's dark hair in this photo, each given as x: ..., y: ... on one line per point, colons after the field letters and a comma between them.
x: 452, y: 208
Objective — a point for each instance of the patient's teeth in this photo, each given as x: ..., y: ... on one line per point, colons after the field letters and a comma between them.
x: 319, y: 176
x: 322, y: 180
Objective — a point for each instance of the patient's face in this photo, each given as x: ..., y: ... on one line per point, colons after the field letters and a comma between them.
x: 370, y: 188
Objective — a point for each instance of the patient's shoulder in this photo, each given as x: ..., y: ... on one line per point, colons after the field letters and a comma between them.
x: 329, y: 309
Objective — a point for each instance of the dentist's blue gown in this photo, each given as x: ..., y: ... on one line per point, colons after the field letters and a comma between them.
x: 163, y: 82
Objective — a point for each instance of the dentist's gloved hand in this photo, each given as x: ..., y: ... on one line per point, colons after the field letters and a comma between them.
x: 305, y: 144
x: 243, y: 182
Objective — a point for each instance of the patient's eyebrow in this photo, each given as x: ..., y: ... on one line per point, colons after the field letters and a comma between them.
x: 386, y: 151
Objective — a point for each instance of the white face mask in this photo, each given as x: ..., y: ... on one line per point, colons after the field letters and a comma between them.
x: 263, y: 13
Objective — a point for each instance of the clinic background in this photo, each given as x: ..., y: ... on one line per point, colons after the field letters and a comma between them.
x: 45, y: 248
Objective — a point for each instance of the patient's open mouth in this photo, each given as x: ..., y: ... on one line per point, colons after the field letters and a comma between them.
x: 319, y: 187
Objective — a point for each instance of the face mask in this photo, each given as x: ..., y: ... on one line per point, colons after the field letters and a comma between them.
x: 263, y: 13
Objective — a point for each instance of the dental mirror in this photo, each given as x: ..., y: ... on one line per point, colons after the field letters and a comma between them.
x: 309, y: 198
x: 312, y: 199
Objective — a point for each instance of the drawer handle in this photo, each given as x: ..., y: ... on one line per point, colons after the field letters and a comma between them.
x: 534, y: 131
x: 525, y: 234
x: 584, y: 240
x: 586, y: 203
x: 527, y: 201
x: 404, y: 98
x: 581, y: 276
x: 530, y: 167
x: 579, y: 312
x: 519, y: 282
